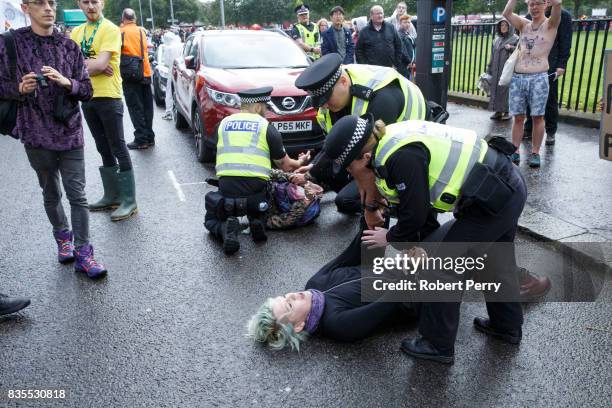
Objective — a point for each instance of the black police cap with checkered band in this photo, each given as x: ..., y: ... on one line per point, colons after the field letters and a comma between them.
x: 319, y: 78
x: 256, y: 95
x: 347, y: 137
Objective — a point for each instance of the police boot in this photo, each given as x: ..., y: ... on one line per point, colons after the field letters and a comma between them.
x: 110, y: 199
x: 258, y: 230
x: 127, y: 196
x: 230, y: 235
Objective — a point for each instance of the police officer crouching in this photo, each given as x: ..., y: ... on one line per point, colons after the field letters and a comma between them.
x: 246, y: 147
x: 354, y: 89
x: 422, y: 168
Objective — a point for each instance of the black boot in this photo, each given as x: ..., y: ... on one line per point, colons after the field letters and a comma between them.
x: 484, y: 325
x: 421, y: 348
x: 10, y: 305
x: 230, y: 236
x: 258, y: 230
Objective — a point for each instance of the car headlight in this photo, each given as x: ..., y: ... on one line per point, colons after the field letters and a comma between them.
x: 163, y: 71
x: 223, y: 98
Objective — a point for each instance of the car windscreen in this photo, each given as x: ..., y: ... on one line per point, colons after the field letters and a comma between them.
x: 236, y: 52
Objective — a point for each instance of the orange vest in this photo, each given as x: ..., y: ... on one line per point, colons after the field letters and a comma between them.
x: 131, y: 44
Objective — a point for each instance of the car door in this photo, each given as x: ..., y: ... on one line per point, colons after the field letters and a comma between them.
x: 181, y: 89
x: 190, y: 76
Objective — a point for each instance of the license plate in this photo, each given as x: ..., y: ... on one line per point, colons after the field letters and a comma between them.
x: 293, y: 126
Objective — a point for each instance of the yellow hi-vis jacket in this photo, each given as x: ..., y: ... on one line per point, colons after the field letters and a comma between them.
x: 453, y: 153
x: 375, y: 78
x: 242, y: 147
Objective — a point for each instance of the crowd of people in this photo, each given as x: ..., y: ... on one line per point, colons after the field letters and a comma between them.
x: 383, y: 156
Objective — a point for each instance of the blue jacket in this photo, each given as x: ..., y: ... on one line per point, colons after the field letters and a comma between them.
x: 329, y: 45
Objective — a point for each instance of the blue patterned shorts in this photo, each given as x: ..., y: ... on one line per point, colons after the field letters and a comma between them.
x: 528, y: 90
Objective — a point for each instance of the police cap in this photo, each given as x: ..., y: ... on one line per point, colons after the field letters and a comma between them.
x: 302, y: 9
x: 256, y: 95
x: 347, y: 137
x: 319, y: 78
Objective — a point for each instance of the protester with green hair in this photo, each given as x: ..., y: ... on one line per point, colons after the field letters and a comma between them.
x: 330, y: 306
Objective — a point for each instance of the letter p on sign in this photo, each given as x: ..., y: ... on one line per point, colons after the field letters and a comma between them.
x: 439, y: 15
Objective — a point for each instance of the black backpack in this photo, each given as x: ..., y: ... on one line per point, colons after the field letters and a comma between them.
x: 8, y: 107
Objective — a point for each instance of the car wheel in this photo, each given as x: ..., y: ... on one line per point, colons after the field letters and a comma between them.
x: 179, y: 120
x: 205, y: 153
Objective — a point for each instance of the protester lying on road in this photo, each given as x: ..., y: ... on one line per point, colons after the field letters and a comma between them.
x: 330, y: 306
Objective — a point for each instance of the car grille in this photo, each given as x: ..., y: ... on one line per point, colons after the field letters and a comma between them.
x: 277, y: 101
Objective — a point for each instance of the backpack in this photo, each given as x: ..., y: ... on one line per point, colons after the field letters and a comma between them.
x: 8, y: 107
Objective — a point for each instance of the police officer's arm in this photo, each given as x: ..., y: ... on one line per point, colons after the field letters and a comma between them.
x: 278, y: 153
x: 387, y: 104
x: 295, y: 34
x: 408, y: 171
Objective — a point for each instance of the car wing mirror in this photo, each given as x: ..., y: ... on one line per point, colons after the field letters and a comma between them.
x: 190, y: 62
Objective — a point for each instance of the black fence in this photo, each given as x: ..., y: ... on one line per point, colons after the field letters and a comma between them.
x: 580, y: 87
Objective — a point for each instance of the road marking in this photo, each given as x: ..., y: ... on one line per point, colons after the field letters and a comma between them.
x: 177, y: 186
x: 193, y: 184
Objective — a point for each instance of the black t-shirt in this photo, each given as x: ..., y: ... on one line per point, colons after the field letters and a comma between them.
x: 232, y: 186
x: 408, y: 171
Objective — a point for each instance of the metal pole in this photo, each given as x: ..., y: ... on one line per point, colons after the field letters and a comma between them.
x: 140, y: 9
x: 171, y: 13
x: 222, y: 15
x: 152, y: 18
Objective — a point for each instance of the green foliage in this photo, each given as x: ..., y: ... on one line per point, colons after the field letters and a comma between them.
x: 187, y: 11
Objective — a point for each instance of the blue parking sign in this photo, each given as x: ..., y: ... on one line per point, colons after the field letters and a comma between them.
x: 439, y: 15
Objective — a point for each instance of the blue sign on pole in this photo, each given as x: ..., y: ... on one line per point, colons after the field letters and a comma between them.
x: 439, y: 15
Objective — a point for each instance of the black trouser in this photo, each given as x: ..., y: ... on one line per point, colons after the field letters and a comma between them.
x: 348, y: 199
x: 214, y: 224
x: 139, y: 100
x: 551, y: 116
x: 438, y: 322
x: 104, y: 116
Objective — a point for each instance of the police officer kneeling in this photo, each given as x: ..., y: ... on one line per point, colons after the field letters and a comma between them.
x: 246, y: 146
x: 422, y: 168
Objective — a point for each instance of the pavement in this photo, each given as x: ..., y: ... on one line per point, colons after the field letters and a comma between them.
x: 570, y: 196
x: 166, y: 327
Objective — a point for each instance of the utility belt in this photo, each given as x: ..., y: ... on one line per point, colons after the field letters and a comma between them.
x: 224, y: 207
x: 490, y: 183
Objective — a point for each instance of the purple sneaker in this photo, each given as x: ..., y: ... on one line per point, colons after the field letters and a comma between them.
x: 65, y: 247
x: 86, y: 263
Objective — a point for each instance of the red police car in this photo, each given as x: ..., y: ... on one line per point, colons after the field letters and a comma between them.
x: 217, y: 64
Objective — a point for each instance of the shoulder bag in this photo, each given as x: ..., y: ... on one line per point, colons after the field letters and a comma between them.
x: 8, y: 107
x: 508, y: 70
x: 131, y: 67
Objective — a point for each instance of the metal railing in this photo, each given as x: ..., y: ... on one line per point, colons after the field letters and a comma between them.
x: 580, y: 87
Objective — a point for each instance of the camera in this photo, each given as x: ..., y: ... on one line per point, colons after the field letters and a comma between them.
x: 42, y: 81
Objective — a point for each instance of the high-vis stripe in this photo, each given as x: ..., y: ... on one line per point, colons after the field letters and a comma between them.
x: 450, y: 165
x: 242, y: 167
x: 246, y: 150
x: 379, y: 76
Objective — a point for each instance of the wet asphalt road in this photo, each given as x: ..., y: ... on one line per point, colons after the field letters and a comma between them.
x: 166, y: 328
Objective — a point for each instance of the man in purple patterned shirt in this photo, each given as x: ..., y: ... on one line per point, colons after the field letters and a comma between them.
x: 51, y: 80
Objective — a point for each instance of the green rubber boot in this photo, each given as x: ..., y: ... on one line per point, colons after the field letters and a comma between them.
x: 127, y: 196
x: 110, y: 200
